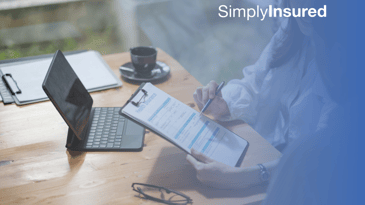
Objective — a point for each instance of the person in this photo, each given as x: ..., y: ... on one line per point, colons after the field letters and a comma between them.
x: 316, y: 169
x: 287, y: 94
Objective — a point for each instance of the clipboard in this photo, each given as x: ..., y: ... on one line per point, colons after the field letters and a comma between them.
x: 130, y: 100
x: 26, y: 75
x: 7, y: 85
x: 139, y: 98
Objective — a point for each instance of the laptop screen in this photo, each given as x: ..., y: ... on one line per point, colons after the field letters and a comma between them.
x: 68, y: 94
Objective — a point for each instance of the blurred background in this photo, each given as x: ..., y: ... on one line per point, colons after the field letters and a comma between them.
x: 191, y: 31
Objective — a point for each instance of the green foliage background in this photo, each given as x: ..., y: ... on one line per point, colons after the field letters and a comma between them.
x: 100, y: 34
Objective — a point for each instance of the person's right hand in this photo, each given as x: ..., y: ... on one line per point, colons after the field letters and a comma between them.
x: 218, y: 107
x: 221, y: 176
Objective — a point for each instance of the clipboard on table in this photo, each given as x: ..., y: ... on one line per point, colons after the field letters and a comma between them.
x: 7, y: 86
x: 21, y: 79
x: 182, y: 126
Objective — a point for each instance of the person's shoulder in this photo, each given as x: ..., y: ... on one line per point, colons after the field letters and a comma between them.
x: 275, y: 42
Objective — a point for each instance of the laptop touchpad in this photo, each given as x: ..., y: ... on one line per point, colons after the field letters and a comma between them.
x: 132, y: 128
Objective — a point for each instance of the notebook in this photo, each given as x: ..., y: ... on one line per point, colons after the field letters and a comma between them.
x: 183, y: 126
x: 27, y: 76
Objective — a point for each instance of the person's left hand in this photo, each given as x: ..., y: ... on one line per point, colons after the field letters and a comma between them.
x: 219, y: 175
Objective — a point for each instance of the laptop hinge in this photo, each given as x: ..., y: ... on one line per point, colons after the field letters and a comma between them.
x: 73, y: 142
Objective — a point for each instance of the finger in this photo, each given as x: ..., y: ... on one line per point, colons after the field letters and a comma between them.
x: 212, y: 184
x: 195, y: 163
x: 201, y: 157
x: 200, y: 105
x: 198, y: 92
x: 212, y: 89
x: 205, y: 94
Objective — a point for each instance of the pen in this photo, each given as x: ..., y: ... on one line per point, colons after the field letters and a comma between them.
x: 219, y: 88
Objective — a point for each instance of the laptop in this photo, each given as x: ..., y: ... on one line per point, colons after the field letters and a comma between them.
x: 90, y: 129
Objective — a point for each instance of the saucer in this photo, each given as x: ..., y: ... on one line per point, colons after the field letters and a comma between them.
x: 160, y: 71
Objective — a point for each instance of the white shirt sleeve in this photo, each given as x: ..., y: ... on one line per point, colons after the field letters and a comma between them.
x: 280, y: 103
x: 242, y: 95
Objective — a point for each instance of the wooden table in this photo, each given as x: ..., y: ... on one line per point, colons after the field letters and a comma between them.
x: 36, y: 168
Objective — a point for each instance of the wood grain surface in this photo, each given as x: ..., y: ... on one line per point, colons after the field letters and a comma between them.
x: 36, y: 168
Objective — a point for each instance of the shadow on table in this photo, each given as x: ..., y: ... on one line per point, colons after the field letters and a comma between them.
x: 255, y: 203
x: 75, y: 161
x: 172, y: 171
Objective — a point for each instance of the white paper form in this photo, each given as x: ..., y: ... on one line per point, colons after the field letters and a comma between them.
x: 29, y: 75
x: 184, y: 127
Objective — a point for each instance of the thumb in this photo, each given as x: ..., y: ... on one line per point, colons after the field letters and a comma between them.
x: 196, y: 164
x: 196, y: 99
x: 201, y: 157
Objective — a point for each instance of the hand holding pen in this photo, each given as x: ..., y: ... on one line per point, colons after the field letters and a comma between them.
x: 210, y: 97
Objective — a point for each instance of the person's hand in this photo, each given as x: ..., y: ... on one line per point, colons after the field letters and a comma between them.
x: 219, y: 175
x: 218, y: 107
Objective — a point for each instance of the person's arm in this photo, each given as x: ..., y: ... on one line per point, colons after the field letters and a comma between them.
x: 240, y: 97
x: 221, y: 176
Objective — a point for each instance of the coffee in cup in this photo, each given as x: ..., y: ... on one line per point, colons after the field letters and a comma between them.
x: 143, y: 60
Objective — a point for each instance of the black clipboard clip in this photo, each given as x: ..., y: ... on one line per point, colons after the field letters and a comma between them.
x: 11, y: 84
x: 142, y: 99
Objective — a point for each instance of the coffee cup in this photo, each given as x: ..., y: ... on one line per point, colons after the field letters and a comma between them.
x: 143, y: 60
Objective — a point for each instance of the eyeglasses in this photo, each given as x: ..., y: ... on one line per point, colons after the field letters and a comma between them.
x: 161, y: 194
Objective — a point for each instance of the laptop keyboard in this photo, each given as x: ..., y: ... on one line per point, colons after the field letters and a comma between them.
x: 106, y: 129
